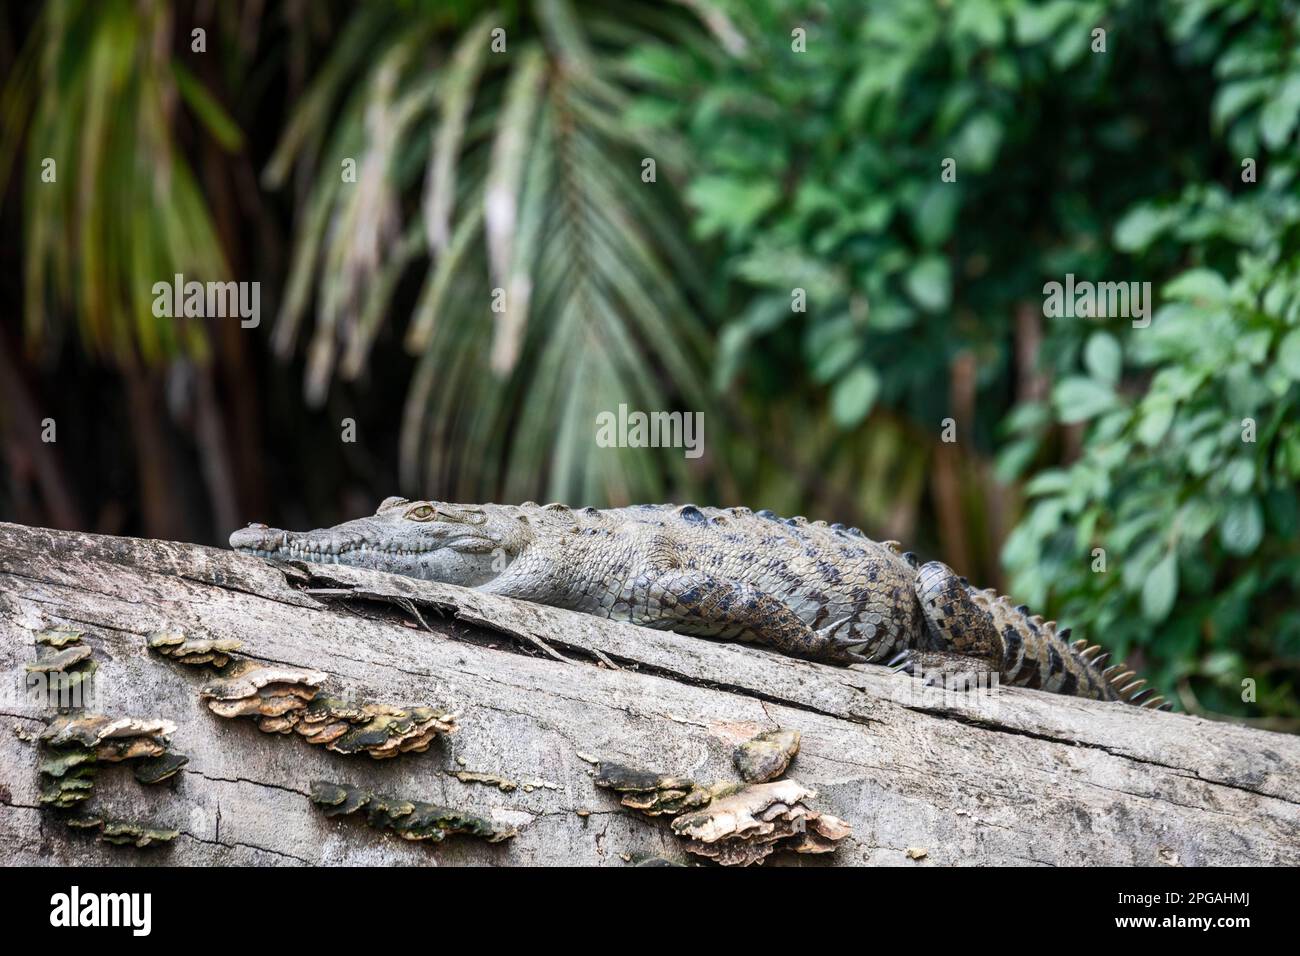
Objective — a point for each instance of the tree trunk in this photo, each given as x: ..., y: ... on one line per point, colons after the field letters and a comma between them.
x: 923, y: 777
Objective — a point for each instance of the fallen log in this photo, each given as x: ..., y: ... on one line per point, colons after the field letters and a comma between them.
x: 521, y: 702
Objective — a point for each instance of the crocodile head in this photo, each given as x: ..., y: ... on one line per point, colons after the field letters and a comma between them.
x: 434, y: 540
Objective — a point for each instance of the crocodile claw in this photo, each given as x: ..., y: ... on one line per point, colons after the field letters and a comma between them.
x: 902, y: 658
x: 907, y: 664
x: 845, y: 648
x: 853, y: 651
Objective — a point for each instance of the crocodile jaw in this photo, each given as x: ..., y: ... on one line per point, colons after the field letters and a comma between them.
x: 356, y: 553
x: 372, y: 549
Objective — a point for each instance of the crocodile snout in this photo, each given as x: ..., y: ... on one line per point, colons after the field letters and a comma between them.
x: 257, y: 537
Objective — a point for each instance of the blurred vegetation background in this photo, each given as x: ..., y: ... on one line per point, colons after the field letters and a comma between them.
x: 522, y: 169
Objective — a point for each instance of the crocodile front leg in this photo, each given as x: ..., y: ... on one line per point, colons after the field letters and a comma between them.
x: 700, y: 604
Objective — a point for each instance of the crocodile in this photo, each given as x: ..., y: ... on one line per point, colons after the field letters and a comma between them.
x: 806, y: 588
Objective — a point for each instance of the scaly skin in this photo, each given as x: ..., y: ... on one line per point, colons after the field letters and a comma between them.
x: 806, y: 588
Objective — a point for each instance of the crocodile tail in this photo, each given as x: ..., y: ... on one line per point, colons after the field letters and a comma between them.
x: 1038, y: 654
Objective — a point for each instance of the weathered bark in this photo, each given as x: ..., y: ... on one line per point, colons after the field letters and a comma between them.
x: 1011, y: 777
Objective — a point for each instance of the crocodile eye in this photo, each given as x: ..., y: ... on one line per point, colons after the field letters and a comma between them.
x: 421, y: 513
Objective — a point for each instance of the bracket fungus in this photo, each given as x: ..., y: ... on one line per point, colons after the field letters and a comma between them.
x: 110, y: 738
x: 734, y: 824
x: 766, y: 756
x: 175, y: 645
x: 749, y: 825
x: 288, y: 699
x: 60, y: 637
x: 67, y: 782
x: 490, y: 779
x: 157, y: 769
x: 262, y: 692
x: 409, y: 819
x: 63, y: 672
x: 652, y: 793
x: 61, y: 660
x: 74, y: 747
x: 123, y: 833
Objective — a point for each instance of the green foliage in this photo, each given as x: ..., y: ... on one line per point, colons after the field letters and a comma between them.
x: 821, y: 171
x: 1190, y: 467
x: 1188, y: 481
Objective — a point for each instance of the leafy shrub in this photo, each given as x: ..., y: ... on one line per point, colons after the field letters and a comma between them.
x: 1188, y: 479
x: 1190, y: 465
x: 821, y: 171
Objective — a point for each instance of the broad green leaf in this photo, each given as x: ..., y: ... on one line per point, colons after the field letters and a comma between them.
x: 1242, y: 526
x: 854, y: 395
x: 1288, y: 355
x: 982, y: 19
x: 1197, y: 517
x: 1141, y: 226
x: 1224, y: 665
x: 1199, y: 285
x: 1277, y: 120
x: 1038, y: 21
x: 1070, y: 45
x: 1014, y: 458
x: 1157, y: 415
x: 935, y: 214
x: 1078, y: 399
x: 1234, y: 98
x: 1253, y: 346
x: 1102, y: 357
x: 729, y: 205
x: 1051, y: 481
x: 1239, y: 474
x: 1160, y: 589
x: 978, y: 143
x: 929, y: 283
x: 837, y: 356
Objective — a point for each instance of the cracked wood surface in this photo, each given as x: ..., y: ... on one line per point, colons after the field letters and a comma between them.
x: 1017, y: 776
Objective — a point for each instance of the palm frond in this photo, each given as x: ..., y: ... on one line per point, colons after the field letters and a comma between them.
x: 95, y: 92
x: 457, y: 97
x: 531, y: 185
